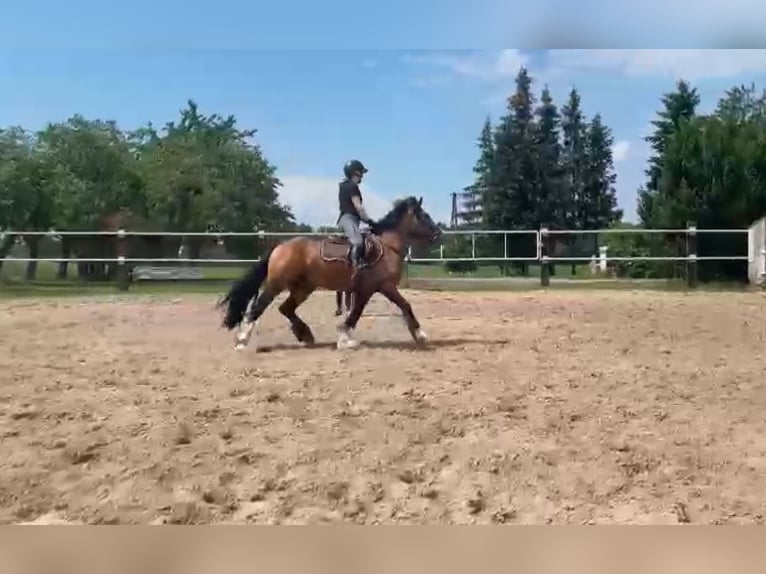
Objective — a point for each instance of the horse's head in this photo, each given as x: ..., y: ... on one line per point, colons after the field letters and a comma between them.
x: 422, y: 227
x: 410, y: 219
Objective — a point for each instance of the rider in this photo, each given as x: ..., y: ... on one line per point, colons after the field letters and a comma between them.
x: 351, y: 209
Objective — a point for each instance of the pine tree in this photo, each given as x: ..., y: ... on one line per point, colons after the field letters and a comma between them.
x: 572, y: 158
x: 679, y: 107
x: 471, y: 197
x: 508, y: 202
x: 598, y: 206
x: 550, y: 208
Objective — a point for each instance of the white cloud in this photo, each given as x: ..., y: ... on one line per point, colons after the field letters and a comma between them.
x: 485, y: 65
x: 431, y: 81
x: 314, y: 200
x: 620, y: 150
x: 692, y: 64
x: 509, y: 61
x: 689, y: 64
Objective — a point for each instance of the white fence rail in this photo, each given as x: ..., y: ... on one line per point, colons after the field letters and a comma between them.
x: 542, y: 241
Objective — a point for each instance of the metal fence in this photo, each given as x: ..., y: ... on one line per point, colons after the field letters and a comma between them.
x: 542, y: 241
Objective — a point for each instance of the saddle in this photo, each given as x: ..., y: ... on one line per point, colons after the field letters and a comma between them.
x: 338, y: 248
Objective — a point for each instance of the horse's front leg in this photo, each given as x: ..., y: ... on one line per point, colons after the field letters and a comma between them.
x: 391, y: 292
x: 339, y: 303
x: 349, y: 296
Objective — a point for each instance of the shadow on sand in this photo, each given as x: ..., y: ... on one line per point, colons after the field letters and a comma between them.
x: 429, y: 347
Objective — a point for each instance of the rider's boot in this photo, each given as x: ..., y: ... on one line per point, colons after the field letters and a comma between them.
x: 357, y: 262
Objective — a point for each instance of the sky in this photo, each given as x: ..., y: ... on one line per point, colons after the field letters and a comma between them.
x: 412, y: 116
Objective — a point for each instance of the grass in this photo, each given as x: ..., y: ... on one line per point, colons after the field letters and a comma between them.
x: 428, y: 277
x: 14, y: 272
x: 492, y: 271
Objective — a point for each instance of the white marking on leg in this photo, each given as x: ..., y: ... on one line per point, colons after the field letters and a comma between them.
x: 421, y: 335
x: 243, y: 337
x: 345, y: 341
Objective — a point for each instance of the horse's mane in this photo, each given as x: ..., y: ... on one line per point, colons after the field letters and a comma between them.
x: 394, y: 217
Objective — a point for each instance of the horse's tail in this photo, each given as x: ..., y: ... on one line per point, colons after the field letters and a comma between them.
x: 243, y: 290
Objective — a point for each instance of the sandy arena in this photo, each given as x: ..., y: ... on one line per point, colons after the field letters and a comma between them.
x: 549, y: 407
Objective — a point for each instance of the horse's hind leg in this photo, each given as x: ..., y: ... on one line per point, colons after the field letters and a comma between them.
x: 298, y: 296
x: 260, y: 305
x: 360, y: 300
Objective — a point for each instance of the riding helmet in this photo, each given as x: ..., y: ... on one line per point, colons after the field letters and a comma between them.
x: 354, y: 166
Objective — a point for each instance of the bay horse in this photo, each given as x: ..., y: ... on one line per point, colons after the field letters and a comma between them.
x: 303, y: 264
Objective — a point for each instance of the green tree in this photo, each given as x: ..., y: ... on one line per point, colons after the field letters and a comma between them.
x: 712, y: 173
x: 574, y: 135
x: 94, y: 176
x: 509, y: 200
x: 743, y: 104
x: 597, y: 206
x: 203, y: 172
x: 573, y: 127
x: 678, y: 108
x: 471, y: 196
x: 27, y: 187
x: 550, y: 207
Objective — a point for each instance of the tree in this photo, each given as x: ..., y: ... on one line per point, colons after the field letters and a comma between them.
x: 26, y: 191
x: 712, y: 170
x: 597, y: 208
x: 94, y: 175
x: 471, y: 212
x: 678, y: 107
x: 508, y: 201
x: 573, y: 157
x: 550, y: 207
x: 199, y: 173
x: 742, y: 104
x: 203, y: 173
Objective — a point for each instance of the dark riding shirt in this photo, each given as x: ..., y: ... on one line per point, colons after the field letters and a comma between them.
x: 346, y: 190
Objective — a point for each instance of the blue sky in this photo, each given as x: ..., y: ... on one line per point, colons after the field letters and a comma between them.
x: 411, y: 115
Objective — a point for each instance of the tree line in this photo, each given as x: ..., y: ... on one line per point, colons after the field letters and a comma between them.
x: 197, y: 173
x: 706, y: 169
x: 544, y: 166
x: 540, y: 166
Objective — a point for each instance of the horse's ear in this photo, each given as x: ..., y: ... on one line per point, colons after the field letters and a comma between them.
x: 420, y: 201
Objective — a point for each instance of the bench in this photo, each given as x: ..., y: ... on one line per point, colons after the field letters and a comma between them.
x: 153, y: 273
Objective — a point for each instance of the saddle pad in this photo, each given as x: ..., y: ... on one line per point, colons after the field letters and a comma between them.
x: 338, y: 248
x: 335, y: 249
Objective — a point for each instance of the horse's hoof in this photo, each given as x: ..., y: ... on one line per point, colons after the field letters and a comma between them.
x: 345, y: 342
x: 421, y: 336
x: 239, y: 347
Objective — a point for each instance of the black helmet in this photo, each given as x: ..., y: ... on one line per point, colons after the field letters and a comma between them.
x: 354, y: 166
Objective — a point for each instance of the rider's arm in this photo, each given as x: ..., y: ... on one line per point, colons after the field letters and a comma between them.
x: 357, y: 201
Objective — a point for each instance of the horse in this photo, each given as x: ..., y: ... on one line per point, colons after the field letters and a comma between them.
x: 301, y: 265
x: 339, y: 302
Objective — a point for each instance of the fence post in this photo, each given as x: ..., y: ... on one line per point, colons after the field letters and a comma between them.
x: 542, y: 255
x: 691, y: 254
x: 123, y: 281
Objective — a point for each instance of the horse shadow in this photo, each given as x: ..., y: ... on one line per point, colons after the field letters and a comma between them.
x: 429, y: 347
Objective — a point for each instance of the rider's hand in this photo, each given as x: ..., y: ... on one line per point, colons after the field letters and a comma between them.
x: 371, y: 224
